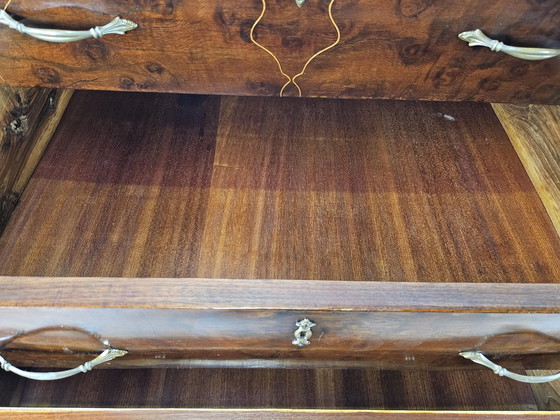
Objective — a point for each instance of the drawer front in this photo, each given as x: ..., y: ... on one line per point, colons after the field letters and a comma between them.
x: 387, y: 49
x: 192, y: 323
x: 155, y: 338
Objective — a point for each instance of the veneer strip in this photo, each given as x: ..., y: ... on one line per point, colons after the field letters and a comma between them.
x: 130, y: 414
x: 310, y: 295
x: 534, y: 132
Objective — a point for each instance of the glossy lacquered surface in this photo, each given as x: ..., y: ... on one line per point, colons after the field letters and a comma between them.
x: 276, y: 393
x: 414, y: 227
x: 388, y: 49
x: 176, y: 186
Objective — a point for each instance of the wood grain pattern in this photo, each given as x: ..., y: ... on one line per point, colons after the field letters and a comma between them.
x: 116, y: 414
x: 176, y: 186
x: 28, y: 119
x: 283, y: 389
x: 11, y: 387
x: 57, y: 337
x: 370, y: 191
x: 389, y: 49
x: 547, y: 395
x: 128, y: 191
x: 199, y: 294
x: 281, y: 189
x: 535, y: 133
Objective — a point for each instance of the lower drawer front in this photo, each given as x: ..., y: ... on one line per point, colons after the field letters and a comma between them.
x: 275, y: 393
x: 387, y: 49
x: 50, y: 337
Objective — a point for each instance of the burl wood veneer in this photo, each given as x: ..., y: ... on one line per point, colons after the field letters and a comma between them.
x: 405, y: 49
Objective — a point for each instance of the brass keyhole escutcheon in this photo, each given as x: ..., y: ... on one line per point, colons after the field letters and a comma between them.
x: 303, y: 333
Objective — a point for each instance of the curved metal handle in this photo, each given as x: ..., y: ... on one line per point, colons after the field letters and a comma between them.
x: 477, y: 38
x: 116, y: 26
x: 479, y: 358
x: 106, y: 356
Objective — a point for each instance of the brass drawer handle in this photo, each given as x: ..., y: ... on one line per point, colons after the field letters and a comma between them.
x: 479, y: 358
x: 477, y: 38
x: 116, y: 26
x: 106, y: 356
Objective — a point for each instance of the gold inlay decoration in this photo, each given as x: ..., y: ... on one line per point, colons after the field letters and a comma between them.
x: 314, y: 56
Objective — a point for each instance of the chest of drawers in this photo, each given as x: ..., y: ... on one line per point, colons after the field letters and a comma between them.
x: 197, y: 231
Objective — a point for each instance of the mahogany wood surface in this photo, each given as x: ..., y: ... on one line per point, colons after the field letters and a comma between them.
x: 28, y: 119
x: 116, y: 414
x: 171, y: 186
x: 56, y: 337
x: 405, y: 49
x: 547, y: 395
x: 178, y: 186
x: 430, y: 196
x: 535, y: 134
x: 327, y: 389
x: 301, y: 295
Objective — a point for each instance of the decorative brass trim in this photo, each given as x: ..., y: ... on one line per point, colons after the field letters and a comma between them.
x: 252, y: 37
x: 314, y: 56
x: 293, y: 79
x: 303, y: 333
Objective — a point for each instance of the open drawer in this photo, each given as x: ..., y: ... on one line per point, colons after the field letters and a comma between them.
x: 197, y: 231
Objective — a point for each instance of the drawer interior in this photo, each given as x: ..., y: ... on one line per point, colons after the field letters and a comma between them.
x: 290, y: 389
x: 154, y: 185
x: 207, y: 187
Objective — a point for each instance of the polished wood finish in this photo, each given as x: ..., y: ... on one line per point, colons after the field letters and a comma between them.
x: 171, y: 186
x: 547, y: 395
x: 535, y: 134
x: 430, y: 196
x: 263, y: 338
x: 116, y: 414
x: 334, y: 389
x: 28, y: 119
x: 389, y: 49
x: 11, y: 387
x: 377, y: 191
x: 135, y: 172
x: 301, y: 295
